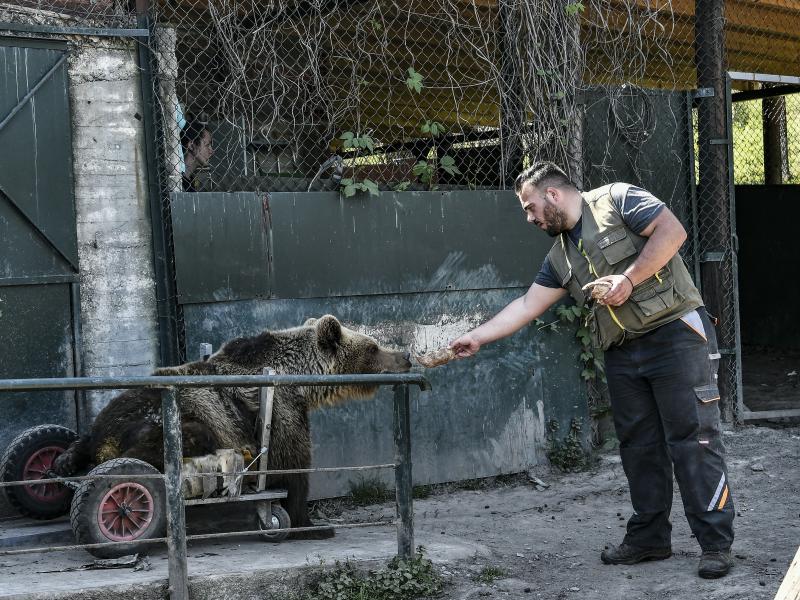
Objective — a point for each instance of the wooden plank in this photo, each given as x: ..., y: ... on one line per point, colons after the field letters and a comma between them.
x: 790, y: 587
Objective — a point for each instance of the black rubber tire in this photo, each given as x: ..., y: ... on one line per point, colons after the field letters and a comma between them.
x: 13, y: 462
x: 280, y: 520
x: 83, y: 515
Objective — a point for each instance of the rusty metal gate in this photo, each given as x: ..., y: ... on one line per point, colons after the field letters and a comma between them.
x: 39, y: 325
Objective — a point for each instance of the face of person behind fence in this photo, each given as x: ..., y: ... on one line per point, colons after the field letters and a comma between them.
x: 543, y: 210
x: 202, y: 149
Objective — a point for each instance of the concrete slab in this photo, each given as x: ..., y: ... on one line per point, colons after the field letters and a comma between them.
x: 231, y: 567
x: 20, y: 532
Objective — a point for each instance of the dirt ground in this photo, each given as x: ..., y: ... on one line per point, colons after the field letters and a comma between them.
x: 546, y: 543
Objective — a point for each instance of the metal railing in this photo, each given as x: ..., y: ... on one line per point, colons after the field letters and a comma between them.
x: 176, y: 522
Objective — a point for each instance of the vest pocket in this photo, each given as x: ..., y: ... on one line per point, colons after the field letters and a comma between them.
x: 616, y: 245
x: 654, y: 296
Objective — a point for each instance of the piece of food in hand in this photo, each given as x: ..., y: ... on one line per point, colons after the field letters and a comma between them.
x: 435, y: 358
x: 597, y: 289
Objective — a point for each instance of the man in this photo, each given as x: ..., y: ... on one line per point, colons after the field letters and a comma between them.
x: 198, y: 149
x: 660, y: 353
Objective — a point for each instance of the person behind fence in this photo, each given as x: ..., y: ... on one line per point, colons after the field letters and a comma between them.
x: 660, y: 353
x: 198, y: 149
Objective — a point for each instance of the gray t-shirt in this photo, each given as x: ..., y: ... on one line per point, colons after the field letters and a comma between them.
x: 638, y: 208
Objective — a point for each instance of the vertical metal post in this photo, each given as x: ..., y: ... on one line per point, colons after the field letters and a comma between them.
x: 693, y: 194
x: 167, y: 315
x: 83, y: 418
x: 176, y: 521
x: 402, y: 471
x: 738, y: 412
x: 265, y: 399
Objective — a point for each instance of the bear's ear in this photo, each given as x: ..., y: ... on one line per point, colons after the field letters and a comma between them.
x: 329, y: 332
x: 309, y: 322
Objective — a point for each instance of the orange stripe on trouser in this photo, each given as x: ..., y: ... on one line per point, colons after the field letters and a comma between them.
x: 724, y: 498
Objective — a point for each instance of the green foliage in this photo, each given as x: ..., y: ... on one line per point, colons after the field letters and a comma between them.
x: 369, y: 490
x: 489, y: 575
x: 351, y: 140
x: 573, y: 8
x: 591, y: 358
x: 402, y: 186
x: 400, y: 580
x: 433, y: 127
x: 349, y: 187
x: 414, y: 80
x: 448, y: 165
x: 424, y: 170
x: 567, y: 454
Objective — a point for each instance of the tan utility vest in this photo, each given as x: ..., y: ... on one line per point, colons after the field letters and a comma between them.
x: 608, y: 247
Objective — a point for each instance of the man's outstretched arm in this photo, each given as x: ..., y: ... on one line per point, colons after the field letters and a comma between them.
x: 513, y: 317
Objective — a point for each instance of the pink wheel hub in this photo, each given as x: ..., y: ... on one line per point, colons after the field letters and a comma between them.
x: 37, y: 467
x: 125, y: 512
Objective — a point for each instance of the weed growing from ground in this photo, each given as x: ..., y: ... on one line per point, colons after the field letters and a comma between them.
x: 489, y: 575
x: 400, y: 580
x: 369, y: 490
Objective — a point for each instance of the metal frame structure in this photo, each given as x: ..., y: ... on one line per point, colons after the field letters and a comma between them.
x: 790, y: 86
x: 175, y: 504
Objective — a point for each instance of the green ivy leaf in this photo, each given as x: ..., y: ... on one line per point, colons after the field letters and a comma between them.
x: 347, y: 140
x: 371, y: 187
x: 414, y: 80
x: 402, y: 186
x: 448, y: 165
x: 573, y: 8
x: 349, y: 190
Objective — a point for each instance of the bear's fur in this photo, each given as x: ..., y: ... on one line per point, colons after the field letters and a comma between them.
x: 217, y: 418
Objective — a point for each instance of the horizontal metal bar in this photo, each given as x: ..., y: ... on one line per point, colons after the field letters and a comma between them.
x: 203, y: 536
x: 227, y: 534
x: 719, y: 141
x: 270, y: 495
x: 770, y: 92
x: 65, y: 30
x: 763, y: 77
x: 38, y: 280
x: 294, y: 471
x: 210, y: 474
x: 752, y: 415
x: 100, y: 383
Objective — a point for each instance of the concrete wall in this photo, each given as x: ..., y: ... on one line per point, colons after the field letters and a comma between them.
x: 118, y: 303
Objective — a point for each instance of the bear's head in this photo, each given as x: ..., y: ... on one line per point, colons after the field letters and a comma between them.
x: 343, y: 351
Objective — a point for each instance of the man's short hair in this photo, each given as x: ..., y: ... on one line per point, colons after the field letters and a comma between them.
x: 543, y: 174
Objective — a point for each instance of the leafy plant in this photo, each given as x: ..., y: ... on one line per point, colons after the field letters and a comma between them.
x: 349, y: 186
x: 490, y: 574
x: 400, y: 580
x: 567, y: 454
x: 573, y: 8
x: 369, y: 490
x: 414, y: 80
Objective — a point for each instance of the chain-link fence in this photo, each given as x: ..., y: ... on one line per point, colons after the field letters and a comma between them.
x: 300, y: 95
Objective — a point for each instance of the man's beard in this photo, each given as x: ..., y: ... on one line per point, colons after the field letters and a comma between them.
x: 555, y: 218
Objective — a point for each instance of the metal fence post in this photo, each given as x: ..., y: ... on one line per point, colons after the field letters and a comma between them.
x: 402, y: 449
x: 176, y: 522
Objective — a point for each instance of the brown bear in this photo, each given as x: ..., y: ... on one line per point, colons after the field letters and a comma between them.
x: 215, y: 418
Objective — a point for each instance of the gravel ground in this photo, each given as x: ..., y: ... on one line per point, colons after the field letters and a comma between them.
x: 546, y: 543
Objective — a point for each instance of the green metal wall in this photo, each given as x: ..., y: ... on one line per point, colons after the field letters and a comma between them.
x: 413, y: 268
x: 38, y: 247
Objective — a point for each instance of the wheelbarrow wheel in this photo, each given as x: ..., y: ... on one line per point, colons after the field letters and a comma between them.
x: 30, y: 455
x: 279, y: 519
x: 128, y: 509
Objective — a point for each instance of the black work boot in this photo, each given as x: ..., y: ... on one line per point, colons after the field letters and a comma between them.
x: 714, y: 563
x: 627, y: 554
